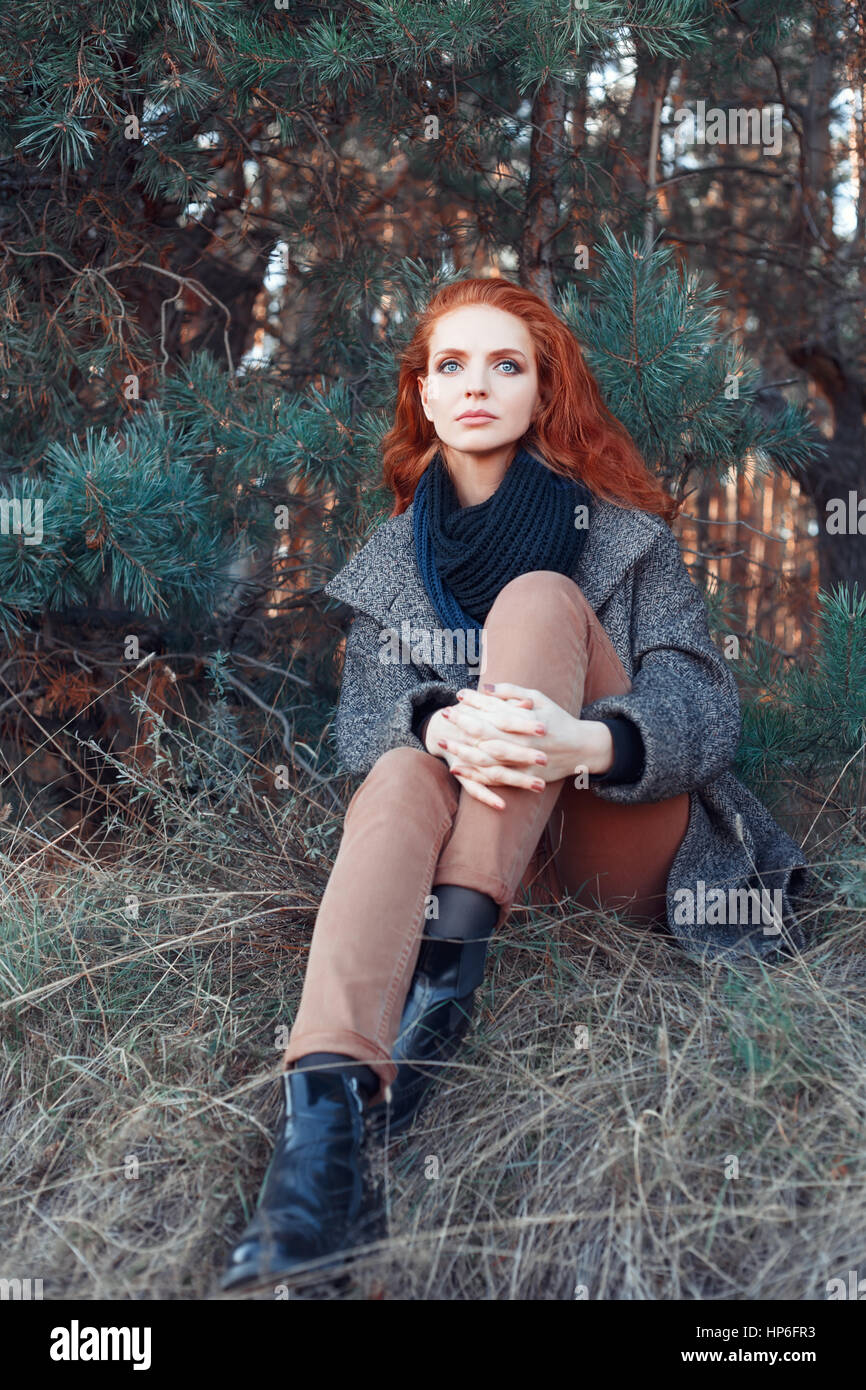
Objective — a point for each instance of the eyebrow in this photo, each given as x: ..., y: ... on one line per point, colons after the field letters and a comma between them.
x: 499, y: 352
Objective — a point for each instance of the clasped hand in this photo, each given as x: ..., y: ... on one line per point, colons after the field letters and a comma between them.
x: 495, y: 734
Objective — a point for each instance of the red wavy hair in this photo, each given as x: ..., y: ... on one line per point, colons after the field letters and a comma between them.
x: 573, y: 434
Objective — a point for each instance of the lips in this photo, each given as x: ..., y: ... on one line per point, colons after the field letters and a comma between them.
x: 476, y: 415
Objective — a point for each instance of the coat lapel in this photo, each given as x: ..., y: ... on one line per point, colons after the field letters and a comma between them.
x: 383, y: 579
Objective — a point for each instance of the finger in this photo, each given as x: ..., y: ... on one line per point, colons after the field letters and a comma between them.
x: 502, y: 752
x: 479, y: 792
x: 510, y: 720
x: 467, y: 752
x: 468, y: 723
x: 507, y: 690
x: 499, y: 712
x: 511, y: 777
x: 494, y: 696
x: 497, y: 774
x: 479, y: 728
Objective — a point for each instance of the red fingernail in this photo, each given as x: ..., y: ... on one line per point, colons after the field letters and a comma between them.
x: 538, y: 785
x: 541, y: 757
x: 441, y: 742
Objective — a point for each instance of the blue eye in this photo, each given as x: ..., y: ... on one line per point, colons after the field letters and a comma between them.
x: 448, y: 360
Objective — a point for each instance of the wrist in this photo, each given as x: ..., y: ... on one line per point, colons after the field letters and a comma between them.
x: 594, y: 747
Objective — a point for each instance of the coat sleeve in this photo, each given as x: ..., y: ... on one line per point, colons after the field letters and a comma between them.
x: 684, y: 697
x: 379, y: 700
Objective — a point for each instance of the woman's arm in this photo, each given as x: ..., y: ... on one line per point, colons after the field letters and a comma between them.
x: 684, y: 698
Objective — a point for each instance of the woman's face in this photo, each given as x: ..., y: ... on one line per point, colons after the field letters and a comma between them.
x: 481, y: 359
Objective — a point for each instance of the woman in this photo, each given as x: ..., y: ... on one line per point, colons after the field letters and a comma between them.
x: 593, y: 728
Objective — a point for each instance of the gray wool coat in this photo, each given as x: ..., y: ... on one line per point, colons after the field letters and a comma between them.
x: 684, y: 701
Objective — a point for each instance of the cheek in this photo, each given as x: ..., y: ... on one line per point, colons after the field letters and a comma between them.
x: 523, y: 398
x: 441, y: 388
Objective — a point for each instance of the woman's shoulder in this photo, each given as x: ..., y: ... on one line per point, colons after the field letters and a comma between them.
x: 374, y: 570
x: 618, y: 539
x: 618, y: 526
x: 622, y: 516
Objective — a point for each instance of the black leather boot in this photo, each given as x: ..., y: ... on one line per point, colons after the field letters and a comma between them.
x: 317, y: 1199
x: 438, y: 1008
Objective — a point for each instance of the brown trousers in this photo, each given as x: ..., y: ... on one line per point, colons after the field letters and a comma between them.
x: 410, y: 826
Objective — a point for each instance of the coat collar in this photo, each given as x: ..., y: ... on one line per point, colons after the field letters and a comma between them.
x: 383, y: 578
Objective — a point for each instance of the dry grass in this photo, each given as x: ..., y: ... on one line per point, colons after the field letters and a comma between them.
x: 542, y: 1170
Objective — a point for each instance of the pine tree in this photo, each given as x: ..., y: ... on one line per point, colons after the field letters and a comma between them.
x: 206, y: 277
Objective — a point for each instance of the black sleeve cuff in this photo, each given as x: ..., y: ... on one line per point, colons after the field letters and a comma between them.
x: 628, y: 753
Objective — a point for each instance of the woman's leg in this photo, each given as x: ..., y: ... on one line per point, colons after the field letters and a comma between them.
x: 542, y: 633
x: 605, y: 854
x: 616, y: 857
x: 370, y: 921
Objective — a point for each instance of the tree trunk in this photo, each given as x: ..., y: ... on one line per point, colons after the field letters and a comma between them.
x: 541, y: 223
x: 842, y: 558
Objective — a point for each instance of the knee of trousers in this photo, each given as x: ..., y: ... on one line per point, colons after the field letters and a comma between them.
x: 542, y: 593
x: 408, y: 770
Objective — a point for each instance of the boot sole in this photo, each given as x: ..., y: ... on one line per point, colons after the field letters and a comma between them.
x: 303, y: 1275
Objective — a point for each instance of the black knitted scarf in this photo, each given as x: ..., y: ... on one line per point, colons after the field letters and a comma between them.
x: 467, y: 554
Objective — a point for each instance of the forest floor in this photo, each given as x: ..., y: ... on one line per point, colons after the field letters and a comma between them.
x: 621, y: 1123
